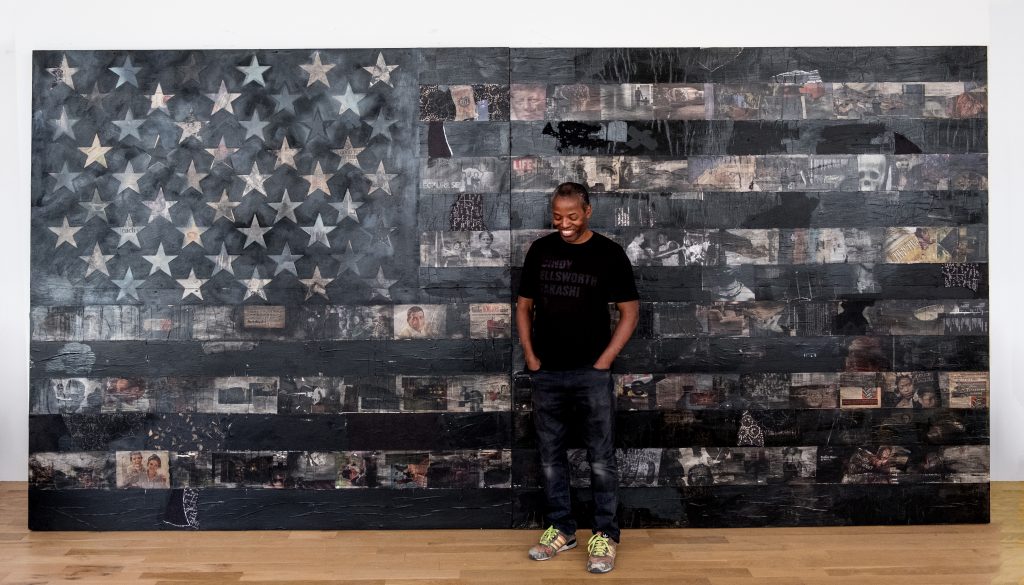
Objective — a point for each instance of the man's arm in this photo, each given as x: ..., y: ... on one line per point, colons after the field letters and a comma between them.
x: 629, y: 315
x: 524, y: 322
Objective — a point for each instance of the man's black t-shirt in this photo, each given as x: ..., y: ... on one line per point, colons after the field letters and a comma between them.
x: 571, y: 286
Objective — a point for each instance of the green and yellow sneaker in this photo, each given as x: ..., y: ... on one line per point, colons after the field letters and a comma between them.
x: 552, y: 542
x: 602, y: 553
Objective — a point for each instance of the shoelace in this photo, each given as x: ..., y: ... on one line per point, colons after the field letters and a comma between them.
x: 549, y: 535
x: 598, y: 545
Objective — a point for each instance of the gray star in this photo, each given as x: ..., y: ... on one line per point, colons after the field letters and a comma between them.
x: 223, y: 260
x: 255, y: 285
x: 254, y: 72
x: 317, y: 127
x: 254, y: 126
x: 317, y: 71
x: 192, y: 233
x: 348, y: 154
x: 382, y: 235
x: 224, y: 208
x: 318, y: 181
x: 129, y: 179
x: 65, y: 233
x: 64, y: 73
x: 285, y: 100
x: 129, y: 126
x: 62, y: 125
x: 158, y: 100
x: 222, y: 99
x: 193, y: 177
x: 159, y: 207
x: 128, y: 233
x: 191, y: 126
x: 126, y: 73
x: 95, y: 98
x: 318, y: 232
x: 349, y: 100
x: 347, y: 208
x: 192, y: 285
x: 95, y: 208
x: 381, y: 126
x: 380, y: 180
x: 222, y: 154
x: 349, y: 260
x: 254, y: 233
x: 286, y: 154
x: 317, y: 285
x: 65, y: 178
x: 380, y: 72
x: 161, y: 262
x: 96, y: 262
x: 380, y: 286
x: 254, y: 181
x: 127, y: 285
x: 190, y: 71
x: 285, y: 260
x: 285, y: 209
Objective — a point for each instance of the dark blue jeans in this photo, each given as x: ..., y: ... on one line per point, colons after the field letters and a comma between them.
x: 588, y: 394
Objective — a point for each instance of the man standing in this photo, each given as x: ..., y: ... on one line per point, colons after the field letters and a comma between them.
x: 568, y: 279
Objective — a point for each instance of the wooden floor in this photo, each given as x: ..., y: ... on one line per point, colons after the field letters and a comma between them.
x: 926, y: 555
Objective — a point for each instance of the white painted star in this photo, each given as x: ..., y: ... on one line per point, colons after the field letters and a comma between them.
x: 97, y: 261
x: 380, y: 179
x: 129, y: 126
x: 253, y: 72
x: 127, y: 286
x: 95, y: 153
x: 65, y: 233
x: 159, y: 207
x: 317, y: 71
x: 224, y: 208
x: 63, y: 74
x: 62, y: 125
x: 95, y: 208
x: 191, y: 126
x: 158, y: 100
x: 318, y: 232
x: 254, y: 126
x: 347, y: 208
x: 223, y: 99
x: 192, y: 233
x: 126, y: 73
x: 380, y: 286
x: 286, y: 154
x: 129, y: 179
x: 380, y: 72
x: 254, y: 233
x: 254, y: 181
x: 255, y: 285
x: 317, y: 285
x: 349, y: 100
x: 192, y: 285
x: 318, y: 181
x: 128, y: 233
x: 65, y: 178
x: 285, y: 209
x: 222, y: 154
x: 349, y: 155
x: 193, y: 177
x: 285, y: 260
x: 161, y: 262
x: 223, y: 260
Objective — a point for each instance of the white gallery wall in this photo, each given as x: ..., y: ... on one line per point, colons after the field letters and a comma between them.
x: 61, y: 24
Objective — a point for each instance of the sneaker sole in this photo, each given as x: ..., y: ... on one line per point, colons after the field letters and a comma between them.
x: 565, y: 547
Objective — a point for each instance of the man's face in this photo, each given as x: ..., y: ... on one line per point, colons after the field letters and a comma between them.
x: 417, y: 320
x: 570, y: 218
x: 905, y: 387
